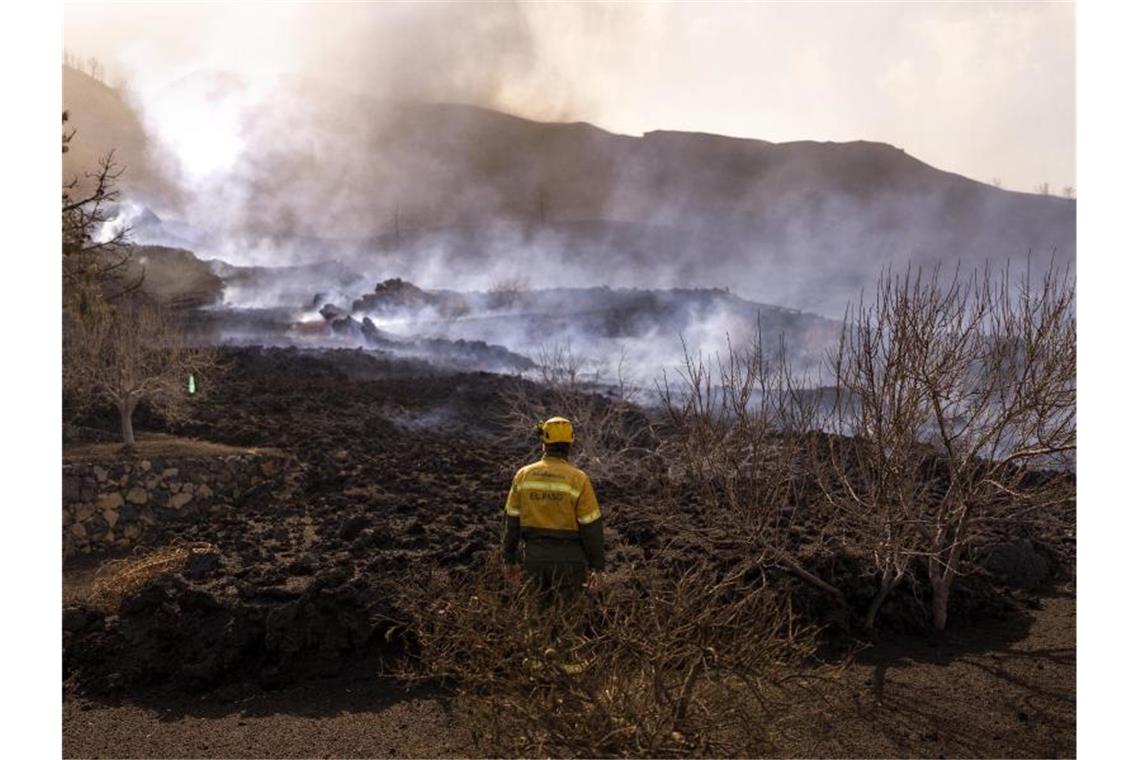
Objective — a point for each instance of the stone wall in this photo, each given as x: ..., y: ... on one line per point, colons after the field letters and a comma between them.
x: 113, y: 504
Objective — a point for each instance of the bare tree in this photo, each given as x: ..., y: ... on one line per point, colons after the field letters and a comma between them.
x: 1069, y: 191
x: 128, y: 353
x: 953, y: 394
x: 95, y: 68
x: 95, y: 258
x: 1043, y: 188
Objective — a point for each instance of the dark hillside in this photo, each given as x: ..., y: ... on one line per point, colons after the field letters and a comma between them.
x: 804, y: 224
x: 104, y: 121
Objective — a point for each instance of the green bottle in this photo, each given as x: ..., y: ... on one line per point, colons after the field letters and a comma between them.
x: 192, y: 385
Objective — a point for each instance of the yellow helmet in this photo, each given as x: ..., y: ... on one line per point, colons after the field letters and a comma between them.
x: 556, y: 430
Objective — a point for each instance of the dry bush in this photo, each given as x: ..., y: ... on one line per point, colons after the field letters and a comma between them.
x: 117, y: 579
x: 703, y: 663
x: 957, y: 395
x: 614, y: 438
x: 739, y: 439
x: 507, y: 293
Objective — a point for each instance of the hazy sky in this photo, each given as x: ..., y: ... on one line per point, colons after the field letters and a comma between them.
x: 983, y: 89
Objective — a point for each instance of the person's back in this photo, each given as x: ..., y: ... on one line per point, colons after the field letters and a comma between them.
x: 553, y: 509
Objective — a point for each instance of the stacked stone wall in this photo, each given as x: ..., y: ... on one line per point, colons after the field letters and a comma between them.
x: 115, y: 504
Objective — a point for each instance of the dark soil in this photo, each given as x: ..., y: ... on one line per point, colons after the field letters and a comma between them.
x: 1000, y: 689
x: 273, y: 645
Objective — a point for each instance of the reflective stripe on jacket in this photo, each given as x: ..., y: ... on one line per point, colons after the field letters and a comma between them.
x: 552, y: 496
x: 553, y: 500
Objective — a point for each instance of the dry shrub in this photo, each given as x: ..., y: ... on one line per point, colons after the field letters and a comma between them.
x: 508, y: 293
x: 118, y: 579
x: 614, y: 439
x: 740, y: 440
x: 705, y: 662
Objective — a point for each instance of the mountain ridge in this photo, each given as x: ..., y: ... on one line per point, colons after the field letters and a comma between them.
x: 803, y: 223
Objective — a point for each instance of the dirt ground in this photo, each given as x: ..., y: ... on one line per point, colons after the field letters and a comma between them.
x: 152, y: 445
x: 1004, y: 689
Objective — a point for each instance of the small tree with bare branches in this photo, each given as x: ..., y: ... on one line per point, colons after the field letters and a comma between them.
x: 132, y: 352
x: 95, y: 260
x: 951, y: 394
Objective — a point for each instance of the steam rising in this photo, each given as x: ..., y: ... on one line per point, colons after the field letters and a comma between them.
x: 349, y: 144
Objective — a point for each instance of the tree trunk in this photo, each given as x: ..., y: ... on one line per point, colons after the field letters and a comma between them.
x: 126, y: 410
x: 942, y: 577
x: 788, y: 563
x: 941, y: 599
x: 886, y: 586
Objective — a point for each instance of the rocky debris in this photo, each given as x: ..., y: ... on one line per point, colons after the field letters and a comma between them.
x: 76, y: 619
x: 369, y: 329
x: 457, y: 354
x: 332, y: 312
x: 394, y: 294
x: 351, y: 528
x: 1017, y: 563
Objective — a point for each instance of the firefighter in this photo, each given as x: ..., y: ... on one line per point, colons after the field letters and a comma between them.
x: 552, y: 507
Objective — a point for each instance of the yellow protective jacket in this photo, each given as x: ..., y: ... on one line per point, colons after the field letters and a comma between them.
x: 552, y: 506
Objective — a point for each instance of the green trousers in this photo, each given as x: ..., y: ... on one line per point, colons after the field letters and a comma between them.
x: 556, y: 579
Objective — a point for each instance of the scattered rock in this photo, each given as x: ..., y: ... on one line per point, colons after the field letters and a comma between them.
x: 109, y: 501
x: 1016, y: 563
x: 350, y: 528
x: 74, y: 619
x: 202, y: 565
x: 137, y: 495
x: 71, y: 487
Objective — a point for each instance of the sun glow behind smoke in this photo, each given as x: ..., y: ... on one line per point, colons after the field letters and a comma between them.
x: 201, y: 124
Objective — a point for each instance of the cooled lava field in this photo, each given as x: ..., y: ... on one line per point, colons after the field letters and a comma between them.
x: 397, y: 470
